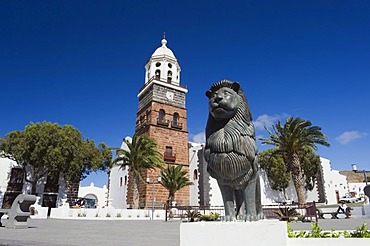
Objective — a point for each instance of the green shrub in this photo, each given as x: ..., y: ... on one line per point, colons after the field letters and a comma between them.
x: 285, y: 213
x: 192, y: 215
x: 360, y: 232
x: 209, y: 217
x: 316, y: 232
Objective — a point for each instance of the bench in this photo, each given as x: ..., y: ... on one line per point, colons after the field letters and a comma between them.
x: 334, y: 214
x: 19, y: 213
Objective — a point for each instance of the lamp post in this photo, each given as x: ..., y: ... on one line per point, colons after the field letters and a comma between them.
x: 153, y: 183
x: 354, y: 168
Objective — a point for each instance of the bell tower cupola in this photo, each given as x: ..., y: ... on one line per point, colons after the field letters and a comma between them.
x: 163, y: 66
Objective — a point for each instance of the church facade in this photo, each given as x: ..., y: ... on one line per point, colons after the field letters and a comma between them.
x: 161, y: 115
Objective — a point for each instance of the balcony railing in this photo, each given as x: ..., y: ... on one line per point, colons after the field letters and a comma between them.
x: 168, y: 156
x: 141, y: 124
x: 163, y: 122
x: 176, y: 124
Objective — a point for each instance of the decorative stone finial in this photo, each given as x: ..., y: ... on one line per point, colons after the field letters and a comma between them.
x: 164, y: 42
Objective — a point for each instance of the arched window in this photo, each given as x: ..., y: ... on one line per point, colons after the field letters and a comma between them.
x: 120, y: 182
x: 176, y: 118
x: 141, y: 119
x: 125, y: 180
x: 148, y: 116
x: 161, y: 115
x: 169, y: 76
x: 195, y: 174
x: 157, y: 74
x: 176, y: 121
x: 161, y: 120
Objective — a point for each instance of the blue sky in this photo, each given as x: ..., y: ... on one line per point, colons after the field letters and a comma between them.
x: 82, y: 63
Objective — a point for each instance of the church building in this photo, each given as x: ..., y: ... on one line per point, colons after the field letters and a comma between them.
x: 161, y: 115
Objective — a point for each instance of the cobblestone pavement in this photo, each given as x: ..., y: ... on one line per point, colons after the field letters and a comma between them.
x: 54, y: 232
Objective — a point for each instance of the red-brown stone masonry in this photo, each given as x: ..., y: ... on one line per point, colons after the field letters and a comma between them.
x: 161, y: 194
x: 154, y: 108
x: 165, y: 136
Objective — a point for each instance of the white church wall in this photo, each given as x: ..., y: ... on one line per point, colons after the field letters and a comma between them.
x: 215, y: 196
x: 334, y: 182
x: 118, y: 182
x: 194, y: 173
x: 118, y: 187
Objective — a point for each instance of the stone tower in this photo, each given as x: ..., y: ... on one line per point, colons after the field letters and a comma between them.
x: 162, y: 116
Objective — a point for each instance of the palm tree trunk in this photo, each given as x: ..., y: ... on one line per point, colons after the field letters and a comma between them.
x: 170, y: 199
x: 297, y: 178
x: 135, y: 202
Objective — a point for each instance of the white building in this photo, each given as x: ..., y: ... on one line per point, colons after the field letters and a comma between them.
x: 205, y: 190
x: 12, y: 183
x: 118, y: 180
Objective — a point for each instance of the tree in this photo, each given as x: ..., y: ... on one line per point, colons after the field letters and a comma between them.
x: 45, y: 148
x: 278, y: 171
x: 294, y: 136
x: 274, y: 164
x: 142, y: 154
x: 174, y: 179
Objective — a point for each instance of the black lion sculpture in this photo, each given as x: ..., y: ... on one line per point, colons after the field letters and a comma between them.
x: 231, y: 151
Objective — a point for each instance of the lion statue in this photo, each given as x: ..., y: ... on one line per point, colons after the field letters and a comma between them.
x: 231, y: 151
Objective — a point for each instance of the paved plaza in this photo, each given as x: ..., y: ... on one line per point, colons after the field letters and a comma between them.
x: 56, y: 232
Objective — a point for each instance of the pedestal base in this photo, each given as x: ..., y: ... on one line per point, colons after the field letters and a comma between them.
x: 258, y: 233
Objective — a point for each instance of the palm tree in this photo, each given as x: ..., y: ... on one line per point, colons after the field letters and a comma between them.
x: 142, y: 154
x: 295, y: 136
x: 173, y: 179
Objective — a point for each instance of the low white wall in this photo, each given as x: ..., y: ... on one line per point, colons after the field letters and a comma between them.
x: 106, y: 213
x: 40, y: 212
x: 265, y: 232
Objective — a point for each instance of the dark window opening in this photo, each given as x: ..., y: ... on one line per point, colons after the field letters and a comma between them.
x: 157, y: 74
x: 169, y: 76
x: 161, y: 118
x: 175, y: 121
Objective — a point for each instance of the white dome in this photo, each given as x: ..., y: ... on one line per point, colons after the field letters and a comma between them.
x: 163, y: 50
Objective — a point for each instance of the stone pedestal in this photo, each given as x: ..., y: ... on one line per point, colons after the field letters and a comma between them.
x: 258, y: 233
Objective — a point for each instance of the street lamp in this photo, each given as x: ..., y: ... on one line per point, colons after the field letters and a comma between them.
x: 354, y: 168
x: 159, y: 179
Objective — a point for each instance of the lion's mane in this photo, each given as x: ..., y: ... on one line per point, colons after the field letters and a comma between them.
x: 231, y: 151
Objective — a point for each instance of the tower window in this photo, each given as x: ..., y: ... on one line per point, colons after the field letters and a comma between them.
x: 158, y: 64
x: 169, y: 156
x: 169, y: 150
x: 161, y: 118
x: 176, y: 118
x: 157, y: 74
x: 148, y: 116
x: 120, y: 182
x: 175, y: 121
x: 169, y: 65
x: 125, y: 180
x: 161, y: 115
x: 169, y: 76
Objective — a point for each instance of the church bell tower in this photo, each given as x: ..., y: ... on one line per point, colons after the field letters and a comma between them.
x: 162, y: 116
